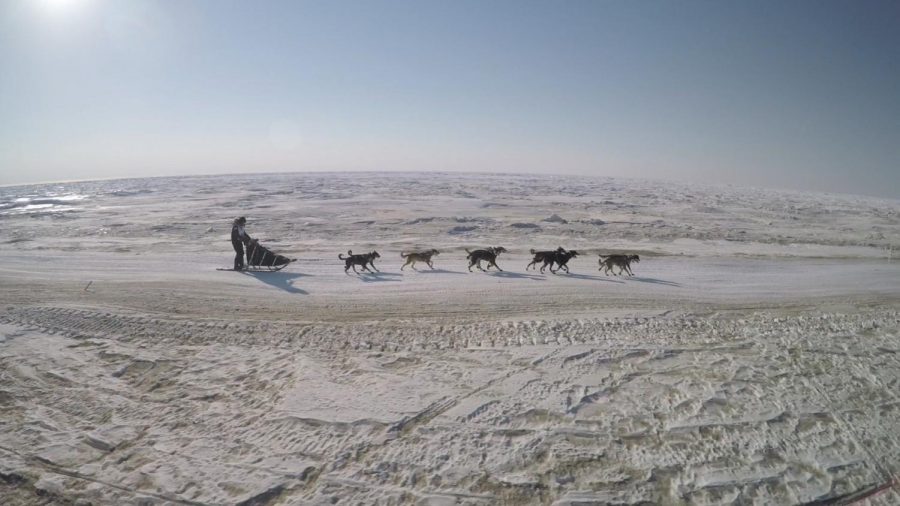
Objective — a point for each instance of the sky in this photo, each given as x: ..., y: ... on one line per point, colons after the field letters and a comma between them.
x: 786, y: 94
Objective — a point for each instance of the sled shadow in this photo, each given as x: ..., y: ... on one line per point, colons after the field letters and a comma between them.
x: 279, y: 279
x: 372, y: 277
x: 656, y: 281
x: 517, y: 275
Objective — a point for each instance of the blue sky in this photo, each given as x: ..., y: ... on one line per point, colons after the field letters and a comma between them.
x: 797, y: 94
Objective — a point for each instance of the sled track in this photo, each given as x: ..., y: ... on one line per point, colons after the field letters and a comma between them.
x: 472, y: 443
x: 406, y: 335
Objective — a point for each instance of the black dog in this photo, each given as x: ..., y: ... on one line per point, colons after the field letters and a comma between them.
x: 363, y: 261
x: 547, y: 257
x: 488, y: 255
x: 562, y: 258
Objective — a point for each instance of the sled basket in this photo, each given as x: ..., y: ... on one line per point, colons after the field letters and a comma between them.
x: 260, y: 258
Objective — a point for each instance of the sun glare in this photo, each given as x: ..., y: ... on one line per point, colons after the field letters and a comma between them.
x: 59, y: 6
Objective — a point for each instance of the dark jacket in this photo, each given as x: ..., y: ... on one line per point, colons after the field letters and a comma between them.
x: 238, y: 234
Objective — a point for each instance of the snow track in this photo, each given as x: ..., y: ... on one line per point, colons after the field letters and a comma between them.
x: 766, y: 408
x: 413, y: 336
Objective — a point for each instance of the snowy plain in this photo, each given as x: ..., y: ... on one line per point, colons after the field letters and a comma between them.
x: 754, y: 358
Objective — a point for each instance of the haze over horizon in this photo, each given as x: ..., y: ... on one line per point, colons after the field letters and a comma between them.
x: 798, y: 95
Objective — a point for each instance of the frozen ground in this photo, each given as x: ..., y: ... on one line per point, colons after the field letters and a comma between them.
x: 753, y: 359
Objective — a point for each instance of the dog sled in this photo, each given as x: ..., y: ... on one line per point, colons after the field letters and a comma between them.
x: 261, y: 259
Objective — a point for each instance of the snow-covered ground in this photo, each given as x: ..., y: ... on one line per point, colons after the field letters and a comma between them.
x: 753, y: 358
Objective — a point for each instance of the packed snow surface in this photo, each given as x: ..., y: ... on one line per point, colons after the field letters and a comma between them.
x: 753, y: 358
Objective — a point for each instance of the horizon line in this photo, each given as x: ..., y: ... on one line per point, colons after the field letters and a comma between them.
x: 444, y: 172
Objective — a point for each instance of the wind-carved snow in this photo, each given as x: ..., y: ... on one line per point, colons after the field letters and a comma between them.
x: 753, y: 358
x: 301, y: 210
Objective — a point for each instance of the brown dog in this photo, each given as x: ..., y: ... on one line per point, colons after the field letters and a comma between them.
x: 419, y: 256
x: 623, y: 262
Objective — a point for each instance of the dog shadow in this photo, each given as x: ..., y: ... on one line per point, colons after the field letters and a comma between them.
x: 437, y: 271
x: 373, y: 277
x: 279, y: 279
x: 655, y: 281
x: 516, y: 275
x: 589, y: 277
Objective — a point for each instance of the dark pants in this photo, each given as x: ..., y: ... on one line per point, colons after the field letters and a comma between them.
x: 238, y: 255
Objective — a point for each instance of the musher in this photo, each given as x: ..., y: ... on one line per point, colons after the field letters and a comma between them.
x: 239, y: 238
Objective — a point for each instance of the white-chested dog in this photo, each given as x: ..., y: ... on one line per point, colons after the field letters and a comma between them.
x: 544, y: 257
x: 363, y: 261
x: 488, y: 255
